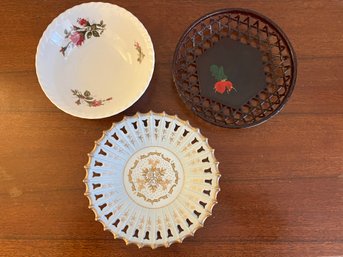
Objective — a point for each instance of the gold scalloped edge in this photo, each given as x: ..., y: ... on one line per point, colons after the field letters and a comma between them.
x: 208, y: 213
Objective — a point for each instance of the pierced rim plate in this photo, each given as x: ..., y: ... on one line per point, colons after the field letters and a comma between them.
x: 152, y: 180
x: 95, y: 60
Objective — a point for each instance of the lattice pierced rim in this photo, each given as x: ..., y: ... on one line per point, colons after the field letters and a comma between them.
x: 260, y: 108
x: 198, y: 176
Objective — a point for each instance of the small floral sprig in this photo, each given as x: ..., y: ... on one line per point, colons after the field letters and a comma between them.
x: 86, y: 97
x: 77, y: 34
x: 141, y: 55
x: 222, y: 83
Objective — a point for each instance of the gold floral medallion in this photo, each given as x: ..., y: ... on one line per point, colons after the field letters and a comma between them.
x: 153, y: 176
x: 156, y: 177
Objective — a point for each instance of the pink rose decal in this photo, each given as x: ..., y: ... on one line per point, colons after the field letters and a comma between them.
x: 96, y: 103
x: 82, y: 22
x: 77, y: 38
x: 87, y: 98
x: 141, y: 55
x: 80, y: 32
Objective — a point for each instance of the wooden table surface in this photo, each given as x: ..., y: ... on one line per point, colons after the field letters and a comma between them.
x: 282, y: 182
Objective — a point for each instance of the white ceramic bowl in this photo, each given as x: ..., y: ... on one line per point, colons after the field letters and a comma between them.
x: 152, y: 180
x: 95, y: 60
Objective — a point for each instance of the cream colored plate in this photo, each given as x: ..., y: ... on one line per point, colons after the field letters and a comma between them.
x: 152, y: 179
x: 95, y: 60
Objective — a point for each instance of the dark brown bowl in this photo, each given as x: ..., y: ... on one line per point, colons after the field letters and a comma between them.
x: 250, y: 54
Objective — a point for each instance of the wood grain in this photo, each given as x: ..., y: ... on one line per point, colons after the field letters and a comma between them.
x: 282, y: 182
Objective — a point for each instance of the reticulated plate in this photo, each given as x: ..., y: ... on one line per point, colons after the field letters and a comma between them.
x: 152, y: 179
x: 234, y: 68
x: 95, y: 60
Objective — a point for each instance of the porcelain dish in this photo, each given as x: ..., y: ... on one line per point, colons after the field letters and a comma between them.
x: 152, y: 179
x: 95, y: 60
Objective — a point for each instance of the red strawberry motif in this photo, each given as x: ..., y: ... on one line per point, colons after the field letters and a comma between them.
x: 228, y: 85
x: 220, y: 87
x: 223, y: 85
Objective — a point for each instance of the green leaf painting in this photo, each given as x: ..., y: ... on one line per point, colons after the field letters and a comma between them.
x: 218, y: 72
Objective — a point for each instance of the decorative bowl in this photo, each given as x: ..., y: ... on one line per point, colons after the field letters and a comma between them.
x: 95, y: 60
x: 234, y: 68
x: 152, y: 180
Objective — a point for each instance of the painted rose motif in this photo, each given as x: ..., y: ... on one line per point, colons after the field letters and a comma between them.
x: 222, y: 84
x: 82, y: 22
x: 77, y: 38
x: 87, y: 98
x: 80, y: 32
x: 141, y: 55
